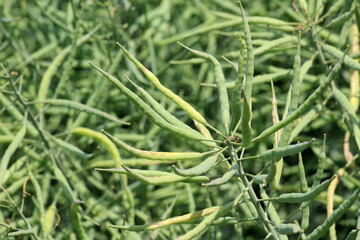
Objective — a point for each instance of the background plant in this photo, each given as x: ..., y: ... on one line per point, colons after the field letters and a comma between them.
x: 54, y: 105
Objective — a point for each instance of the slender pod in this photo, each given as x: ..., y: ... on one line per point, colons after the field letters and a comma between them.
x: 274, y: 43
x: 167, y: 156
x: 147, y: 110
x: 306, y: 66
x: 274, y: 113
x: 293, y: 97
x: 248, y: 81
x: 260, y: 179
x: 348, y: 61
x: 60, y: 177
x: 282, y: 151
x: 302, y: 175
x: 352, y: 235
x: 305, y: 218
x: 350, y: 113
x: 6, y: 138
x: 84, y: 108
x: 340, y: 19
x: 128, y: 162
x: 309, y: 102
x: 165, y: 179
x: 321, y: 165
x: 200, y: 169
x: 49, y: 218
x: 321, y: 230
x: 245, y: 122
x: 168, y: 222
x: 280, y: 74
x: 199, y: 229
x: 220, y: 83
x: 15, y: 143
x: 223, y: 179
x: 159, y: 108
x: 75, y: 218
x: 110, y: 146
x: 236, y: 93
x: 335, y: 8
x: 273, y: 22
x: 146, y: 173
x: 303, y: 189
x: 272, y: 169
x: 287, y: 228
x: 20, y: 233
x: 167, y: 92
x: 303, y: 197
x: 40, y: 201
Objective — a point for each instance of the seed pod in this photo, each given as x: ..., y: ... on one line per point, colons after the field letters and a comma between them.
x: 167, y: 92
x: 260, y: 179
x: 166, y: 156
x: 281, y: 152
x: 348, y: 61
x: 352, y: 235
x: 200, y: 169
x: 273, y: 22
x: 350, y: 113
x: 287, y: 229
x: 340, y: 19
x: 274, y: 43
x: 236, y: 93
x: 321, y: 230
x: 15, y: 143
x: 246, y: 111
x: 159, y: 108
x: 167, y: 222
x: 165, y: 179
x: 321, y: 165
x: 75, y: 218
x: 147, y: 110
x: 223, y: 179
x: 303, y: 197
x: 60, y: 177
x: 220, y: 83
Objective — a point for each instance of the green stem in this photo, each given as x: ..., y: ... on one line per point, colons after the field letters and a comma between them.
x: 252, y: 194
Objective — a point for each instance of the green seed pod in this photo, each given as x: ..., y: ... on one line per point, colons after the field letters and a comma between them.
x: 281, y: 152
x: 287, y: 229
x: 220, y: 83
x: 200, y: 169
x: 166, y: 156
x: 321, y: 230
x: 303, y: 197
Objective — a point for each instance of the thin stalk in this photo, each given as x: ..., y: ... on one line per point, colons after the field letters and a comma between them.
x: 253, y: 197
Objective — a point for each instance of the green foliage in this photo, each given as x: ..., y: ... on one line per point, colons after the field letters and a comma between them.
x: 159, y: 140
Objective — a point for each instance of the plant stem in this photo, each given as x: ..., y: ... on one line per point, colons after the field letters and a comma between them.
x: 252, y: 194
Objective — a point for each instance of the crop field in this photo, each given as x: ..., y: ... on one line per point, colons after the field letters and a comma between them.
x: 175, y: 119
